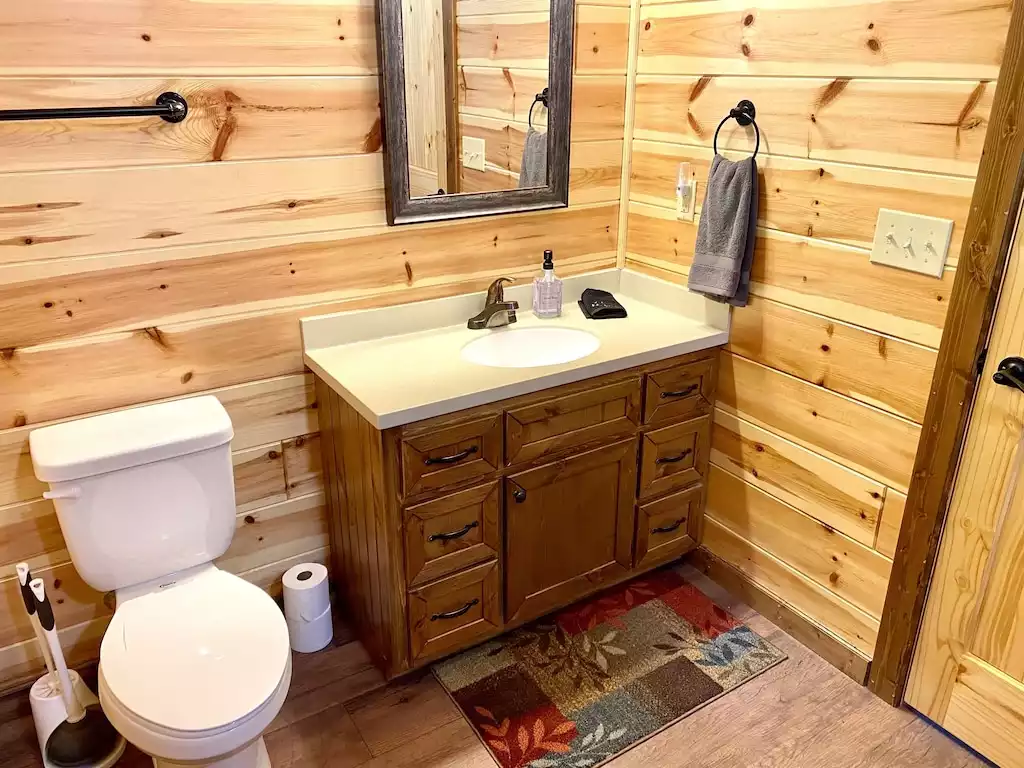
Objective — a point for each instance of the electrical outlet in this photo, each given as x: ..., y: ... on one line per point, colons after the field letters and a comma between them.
x: 911, y: 241
x: 474, y: 151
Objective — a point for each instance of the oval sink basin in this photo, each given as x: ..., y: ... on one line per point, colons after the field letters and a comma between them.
x: 530, y: 347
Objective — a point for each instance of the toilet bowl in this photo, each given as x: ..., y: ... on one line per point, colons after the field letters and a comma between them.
x: 196, y: 662
x: 195, y: 672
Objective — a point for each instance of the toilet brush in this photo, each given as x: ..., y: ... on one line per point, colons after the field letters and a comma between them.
x: 86, y: 738
x: 24, y: 577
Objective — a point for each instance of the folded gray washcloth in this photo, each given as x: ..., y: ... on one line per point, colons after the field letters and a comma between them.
x: 727, y: 231
x: 533, y: 171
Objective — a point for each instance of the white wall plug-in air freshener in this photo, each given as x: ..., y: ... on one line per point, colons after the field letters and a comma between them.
x: 686, y: 194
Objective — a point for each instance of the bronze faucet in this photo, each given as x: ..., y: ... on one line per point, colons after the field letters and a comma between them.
x: 496, y: 312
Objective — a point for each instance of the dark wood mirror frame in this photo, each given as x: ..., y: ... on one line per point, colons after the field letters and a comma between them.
x: 402, y: 208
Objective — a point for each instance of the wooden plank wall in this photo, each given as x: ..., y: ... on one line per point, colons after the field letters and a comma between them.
x: 502, y: 64
x: 141, y: 260
x: 862, y: 104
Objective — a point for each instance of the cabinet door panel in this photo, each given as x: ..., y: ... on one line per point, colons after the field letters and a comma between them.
x: 674, y: 457
x: 664, y: 527
x: 568, y: 529
x: 545, y: 429
x: 447, y: 534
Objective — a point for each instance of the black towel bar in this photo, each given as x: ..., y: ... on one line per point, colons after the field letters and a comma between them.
x: 171, y: 106
x: 743, y: 113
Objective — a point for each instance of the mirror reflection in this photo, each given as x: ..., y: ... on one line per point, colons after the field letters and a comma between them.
x: 476, y: 79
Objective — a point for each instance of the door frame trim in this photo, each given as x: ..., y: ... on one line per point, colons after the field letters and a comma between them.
x: 988, y: 237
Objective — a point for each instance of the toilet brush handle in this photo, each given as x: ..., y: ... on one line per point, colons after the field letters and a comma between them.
x: 24, y: 577
x: 45, y: 612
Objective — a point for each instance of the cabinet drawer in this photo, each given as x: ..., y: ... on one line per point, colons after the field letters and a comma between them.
x: 451, y: 455
x: 544, y: 429
x: 681, y: 392
x: 663, y: 527
x: 451, y: 533
x: 455, y: 612
x: 674, y: 457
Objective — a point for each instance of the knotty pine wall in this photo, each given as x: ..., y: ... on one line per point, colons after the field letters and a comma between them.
x: 141, y: 260
x: 862, y: 104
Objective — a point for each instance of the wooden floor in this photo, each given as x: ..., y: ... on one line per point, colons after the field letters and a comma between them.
x: 802, y: 713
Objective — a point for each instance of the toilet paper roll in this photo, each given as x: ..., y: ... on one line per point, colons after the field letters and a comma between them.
x: 305, y: 592
x: 311, y: 636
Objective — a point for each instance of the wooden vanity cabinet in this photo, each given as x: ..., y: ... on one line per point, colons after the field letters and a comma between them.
x: 449, y: 531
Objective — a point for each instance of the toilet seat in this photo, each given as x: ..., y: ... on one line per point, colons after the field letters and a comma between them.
x: 197, y: 657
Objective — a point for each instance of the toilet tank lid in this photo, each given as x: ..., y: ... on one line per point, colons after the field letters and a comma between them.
x: 111, y: 441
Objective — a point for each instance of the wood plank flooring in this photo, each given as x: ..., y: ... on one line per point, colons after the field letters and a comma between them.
x: 803, y: 713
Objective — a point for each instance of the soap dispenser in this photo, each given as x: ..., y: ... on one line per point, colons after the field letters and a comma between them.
x: 547, y: 290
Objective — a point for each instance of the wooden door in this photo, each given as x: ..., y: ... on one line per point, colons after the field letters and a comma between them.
x: 568, y: 529
x: 968, y: 665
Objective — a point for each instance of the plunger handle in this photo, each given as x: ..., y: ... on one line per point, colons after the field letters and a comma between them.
x: 45, y: 611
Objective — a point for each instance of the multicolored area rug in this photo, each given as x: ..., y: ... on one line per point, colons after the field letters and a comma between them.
x: 579, y: 687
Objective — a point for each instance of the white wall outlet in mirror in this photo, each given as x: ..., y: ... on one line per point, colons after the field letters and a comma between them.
x: 911, y: 241
x: 474, y: 152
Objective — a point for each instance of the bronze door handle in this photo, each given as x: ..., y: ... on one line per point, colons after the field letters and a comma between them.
x: 674, y: 459
x: 453, y: 534
x: 454, y: 458
x: 680, y: 393
x: 669, y: 528
x: 456, y: 613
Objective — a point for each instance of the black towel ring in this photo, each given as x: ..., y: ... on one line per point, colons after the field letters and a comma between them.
x: 540, y: 98
x: 744, y: 114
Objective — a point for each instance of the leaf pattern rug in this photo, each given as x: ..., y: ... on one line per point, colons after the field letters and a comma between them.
x: 580, y: 686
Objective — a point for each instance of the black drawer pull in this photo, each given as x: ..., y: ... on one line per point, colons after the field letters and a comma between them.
x: 669, y: 528
x: 674, y: 459
x: 454, y: 458
x: 454, y: 534
x: 518, y: 493
x: 456, y: 613
x: 682, y: 392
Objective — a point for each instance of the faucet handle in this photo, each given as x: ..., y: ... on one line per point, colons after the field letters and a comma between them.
x: 496, y: 291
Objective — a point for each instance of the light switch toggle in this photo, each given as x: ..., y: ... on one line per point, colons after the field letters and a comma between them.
x: 911, y: 241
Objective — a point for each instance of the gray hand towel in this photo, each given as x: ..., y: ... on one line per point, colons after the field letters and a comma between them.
x: 727, y: 231
x: 533, y: 171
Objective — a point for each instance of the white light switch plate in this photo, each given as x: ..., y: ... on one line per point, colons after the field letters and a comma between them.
x: 474, y: 151
x: 911, y: 241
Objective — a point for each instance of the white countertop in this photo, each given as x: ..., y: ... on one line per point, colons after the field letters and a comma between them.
x: 400, y: 364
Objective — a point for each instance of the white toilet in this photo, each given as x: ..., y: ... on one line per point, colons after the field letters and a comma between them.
x: 196, y: 662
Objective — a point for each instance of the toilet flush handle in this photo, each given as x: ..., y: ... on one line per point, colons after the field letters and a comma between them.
x: 72, y: 492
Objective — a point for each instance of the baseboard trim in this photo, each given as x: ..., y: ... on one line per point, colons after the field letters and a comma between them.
x: 831, y: 649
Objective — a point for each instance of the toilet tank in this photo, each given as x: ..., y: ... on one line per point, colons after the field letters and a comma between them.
x: 141, y: 493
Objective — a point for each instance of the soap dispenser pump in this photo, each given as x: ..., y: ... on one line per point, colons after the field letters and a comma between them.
x: 547, y: 290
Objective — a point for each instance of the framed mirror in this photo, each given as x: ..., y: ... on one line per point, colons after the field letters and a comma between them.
x: 475, y: 99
